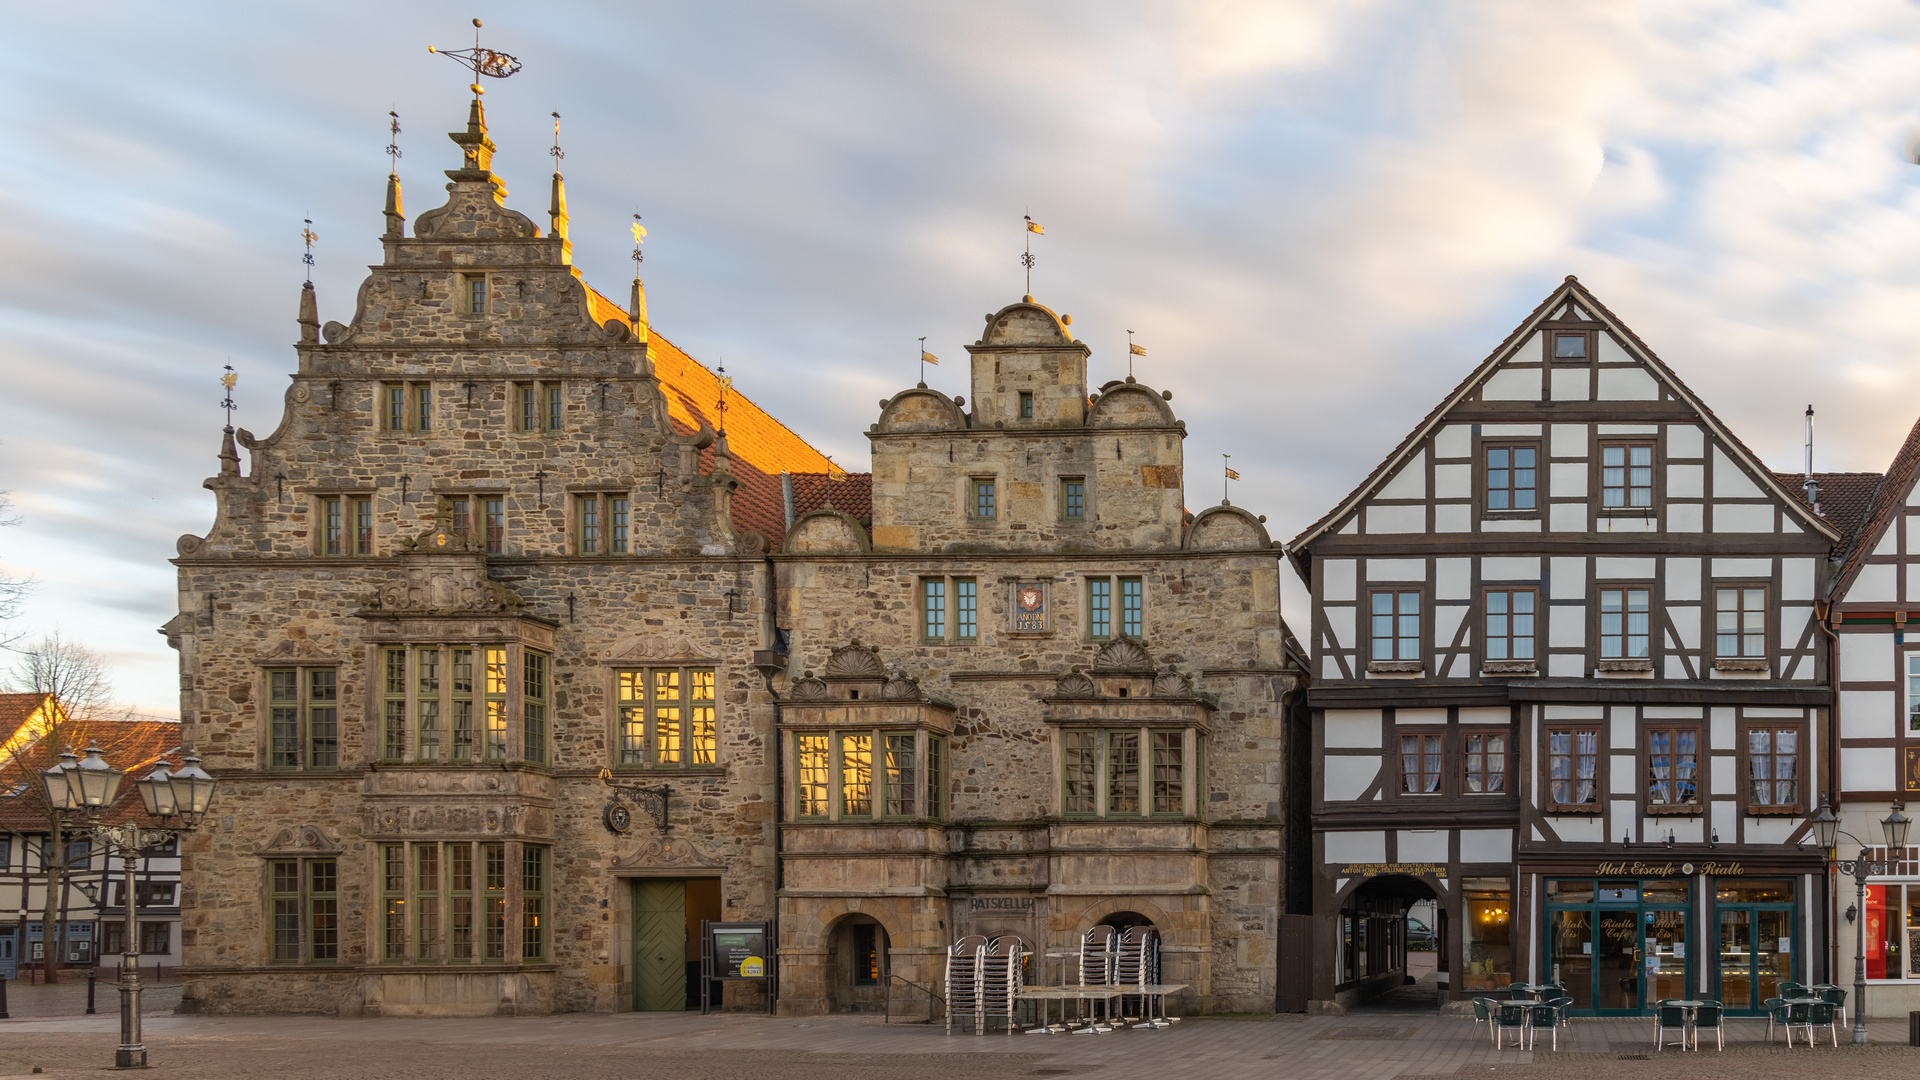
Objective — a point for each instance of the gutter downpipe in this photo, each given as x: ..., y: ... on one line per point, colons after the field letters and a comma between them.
x: 766, y: 665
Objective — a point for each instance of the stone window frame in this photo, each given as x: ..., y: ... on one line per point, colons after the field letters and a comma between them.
x: 358, y: 523
x: 305, y: 718
x: 548, y: 400
x: 991, y: 485
x: 612, y: 518
x: 496, y: 703
x: 468, y: 306
x: 435, y: 918
x: 1192, y: 771
x: 1086, y: 500
x: 415, y: 401
x: 930, y: 769
x: 952, y: 604
x: 1023, y: 405
x: 471, y: 516
x: 624, y: 677
x: 307, y: 905
x: 1116, y: 606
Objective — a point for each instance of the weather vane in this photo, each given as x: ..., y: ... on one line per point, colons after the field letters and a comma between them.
x: 725, y: 381
x: 1226, y: 460
x: 494, y: 65
x: 393, y: 143
x: 308, y: 236
x: 639, y: 234
x: 925, y: 359
x: 1133, y: 351
x: 227, y: 381
x: 556, y: 153
x: 1026, y: 259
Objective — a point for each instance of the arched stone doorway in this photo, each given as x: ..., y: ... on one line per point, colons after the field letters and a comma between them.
x: 1380, y: 963
x: 857, y: 965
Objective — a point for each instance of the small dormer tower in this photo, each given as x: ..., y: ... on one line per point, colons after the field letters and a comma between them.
x: 1028, y: 370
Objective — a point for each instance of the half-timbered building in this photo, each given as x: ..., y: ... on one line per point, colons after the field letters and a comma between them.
x: 1568, y: 684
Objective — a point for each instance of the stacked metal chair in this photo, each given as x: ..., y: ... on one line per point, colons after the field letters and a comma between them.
x: 963, y: 980
x: 1136, y: 962
x: 1099, y: 948
x: 1001, y: 978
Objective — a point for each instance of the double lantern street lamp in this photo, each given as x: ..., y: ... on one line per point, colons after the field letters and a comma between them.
x: 85, y: 789
x: 1826, y: 828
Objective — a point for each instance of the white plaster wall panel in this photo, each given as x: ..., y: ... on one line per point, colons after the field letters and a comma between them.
x: 1486, y: 845
x: 1868, y: 714
x: 1729, y: 480
x: 1913, y: 496
x: 1725, y: 816
x: 1453, y: 579
x: 1351, y: 527
x: 1622, y: 817
x: 1453, y: 518
x: 1484, y: 714
x: 1686, y: 623
x: 1876, y: 581
x: 1580, y: 314
x: 1723, y: 729
x: 1685, y: 517
x: 1569, y: 579
x: 1889, y: 543
x: 1576, y: 712
x: 1356, y: 847
x: 1567, y: 627
x: 1348, y: 777
x: 1569, y: 479
x: 1913, y: 532
x: 1397, y: 519
x: 1623, y: 568
x: 1627, y: 384
x: 1396, y: 569
x: 1721, y: 774
x: 1770, y: 830
x: 1567, y: 666
x: 1776, y: 714
x: 1757, y: 569
x: 1684, y: 441
x: 1504, y: 430
x: 1340, y: 622
x: 1796, y: 579
x: 1742, y: 518
x: 1453, y: 666
x: 1788, y: 525
x: 1606, y: 430
x: 1683, y: 579
x: 1336, y: 579
x: 1410, y: 482
x: 1569, y: 440
x: 1673, y: 668
x: 1446, y: 623
x: 1453, y: 441
x: 1686, y: 481
x: 1629, y: 525
x: 1866, y: 768
x: 1866, y: 658
x: 1568, y: 517
x: 1622, y: 779
x: 1580, y: 830
x: 1913, y: 584
x: 1510, y: 569
x: 1352, y: 729
x: 1453, y: 481
x: 1424, y: 845
x: 1793, y: 623
x: 1499, y: 525
x: 1671, y: 712
x: 1512, y: 384
x: 1621, y: 730
x: 1569, y: 384
x: 1419, y: 716
x: 1330, y: 668
x: 1611, y: 352
x: 1530, y: 350
x: 1685, y: 830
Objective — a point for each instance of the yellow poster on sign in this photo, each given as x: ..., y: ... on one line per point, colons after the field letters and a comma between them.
x: 753, y: 968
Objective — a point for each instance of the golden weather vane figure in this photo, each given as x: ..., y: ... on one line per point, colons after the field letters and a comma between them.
x: 481, y: 61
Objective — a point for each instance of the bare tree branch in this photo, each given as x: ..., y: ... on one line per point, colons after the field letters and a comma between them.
x: 13, y: 590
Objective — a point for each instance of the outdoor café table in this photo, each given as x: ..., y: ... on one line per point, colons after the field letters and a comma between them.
x: 1064, y: 994
x: 1156, y: 995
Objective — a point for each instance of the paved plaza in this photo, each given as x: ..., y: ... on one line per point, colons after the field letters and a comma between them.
x: 669, y: 1046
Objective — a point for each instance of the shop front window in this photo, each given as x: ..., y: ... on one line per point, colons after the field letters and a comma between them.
x: 1884, y: 932
x: 1619, y: 946
x: 1489, y: 933
x: 1754, y: 920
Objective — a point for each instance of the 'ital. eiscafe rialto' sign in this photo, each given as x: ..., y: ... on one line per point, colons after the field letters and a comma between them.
x: 1640, y: 869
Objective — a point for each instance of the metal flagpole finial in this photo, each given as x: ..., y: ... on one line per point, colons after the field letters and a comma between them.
x: 227, y: 381
x: 1226, y: 462
x: 1026, y: 258
x: 556, y: 153
x: 393, y: 143
x: 1133, y: 351
x: 308, y: 236
x: 494, y: 65
x: 639, y: 235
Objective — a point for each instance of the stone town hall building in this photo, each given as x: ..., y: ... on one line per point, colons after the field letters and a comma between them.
x: 507, y: 541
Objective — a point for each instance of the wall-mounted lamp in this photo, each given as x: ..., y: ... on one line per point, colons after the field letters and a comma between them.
x: 1669, y: 838
x: 1715, y: 841
x: 1852, y: 911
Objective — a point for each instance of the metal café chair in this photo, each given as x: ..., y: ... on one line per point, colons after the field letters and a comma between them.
x: 1777, y: 1014
x: 1483, y: 1013
x: 1549, y: 1016
x: 1821, y: 1014
x: 1519, y: 992
x: 1834, y: 996
x: 963, y: 980
x: 1709, y: 1017
x: 1509, y: 1016
x: 1669, y: 1018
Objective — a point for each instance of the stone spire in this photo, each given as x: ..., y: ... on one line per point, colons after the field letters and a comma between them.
x: 229, y: 454
x: 637, y: 308
x: 396, y: 217
x: 557, y: 207
x: 309, y: 315
x: 477, y: 152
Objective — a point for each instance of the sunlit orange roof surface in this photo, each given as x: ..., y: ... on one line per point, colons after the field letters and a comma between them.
x: 133, y: 745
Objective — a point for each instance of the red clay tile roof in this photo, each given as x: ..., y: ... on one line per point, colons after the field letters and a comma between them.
x: 133, y: 745
x: 1570, y: 289
x: 762, y: 446
x: 1845, y: 498
x: 1887, y: 499
x: 16, y: 709
x: 850, y: 493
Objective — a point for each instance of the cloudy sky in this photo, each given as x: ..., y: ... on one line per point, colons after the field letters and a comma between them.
x: 1317, y: 216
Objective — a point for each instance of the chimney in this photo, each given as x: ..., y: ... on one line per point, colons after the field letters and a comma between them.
x: 1808, y: 485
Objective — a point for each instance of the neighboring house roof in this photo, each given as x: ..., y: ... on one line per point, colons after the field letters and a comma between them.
x: 133, y: 745
x: 762, y: 447
x: 1569, y: 291
x: 1845, y: 498
x: 1888, y: 496
x: 850, y: 493
x: 23, y: 717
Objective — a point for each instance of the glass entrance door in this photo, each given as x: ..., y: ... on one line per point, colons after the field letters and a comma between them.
x: 1618, y: 946
x: 1755, y: 948
x: 1617, y: 962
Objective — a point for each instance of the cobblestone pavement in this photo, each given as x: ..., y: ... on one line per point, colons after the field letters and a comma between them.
x: 740, y: 1047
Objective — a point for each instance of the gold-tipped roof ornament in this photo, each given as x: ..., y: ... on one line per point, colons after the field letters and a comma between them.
x: 481, y: 61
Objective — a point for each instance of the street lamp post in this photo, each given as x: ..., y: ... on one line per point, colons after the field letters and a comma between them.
x: 1894, y: 829
x: 86, y: 790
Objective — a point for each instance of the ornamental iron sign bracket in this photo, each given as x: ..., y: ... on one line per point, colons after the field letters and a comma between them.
x: 656, y: 801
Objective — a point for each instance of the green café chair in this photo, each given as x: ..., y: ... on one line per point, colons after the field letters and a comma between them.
x: 1546, y: 1016
x: 1708, y: 1017
x: 1483, y: 1013
x: 1519, y: 992
x: 1669, y: 1018
x: 1510, y: 1017
x: 1776, y: 1014
x: 1821, y: 1014
x: 1833, y: 996
x: 1793, y: 990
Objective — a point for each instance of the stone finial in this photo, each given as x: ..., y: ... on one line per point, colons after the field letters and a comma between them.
x: 637, y: 309
x: 557, y: 207
x: 229, y: 454
x: 396, y: 217
x: 309, y: 315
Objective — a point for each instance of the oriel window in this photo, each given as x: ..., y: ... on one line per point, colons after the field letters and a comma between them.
x: 1123, y: 772
x: 533, y: 706
x: 496, y: 704
x: 1626, y: 476
x: 813, y: 767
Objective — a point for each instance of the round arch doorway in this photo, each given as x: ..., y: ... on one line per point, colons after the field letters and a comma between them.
x: 1386, y: 962
x: 857, y: 965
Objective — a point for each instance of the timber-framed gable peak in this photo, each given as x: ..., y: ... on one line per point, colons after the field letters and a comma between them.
x: 1573, y: 309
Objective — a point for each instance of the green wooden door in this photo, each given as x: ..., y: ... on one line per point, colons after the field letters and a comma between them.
x: 660, y: 946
